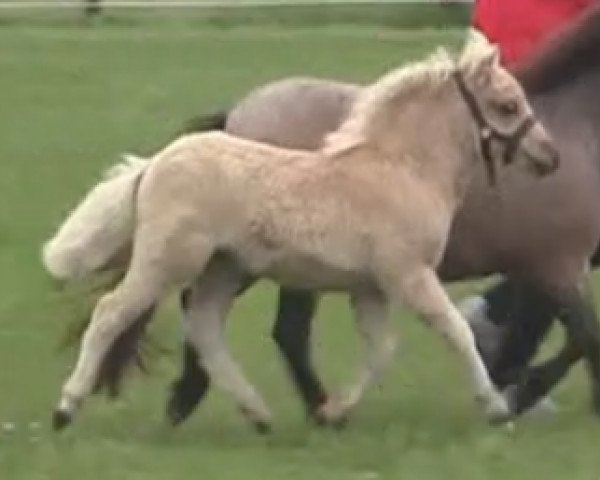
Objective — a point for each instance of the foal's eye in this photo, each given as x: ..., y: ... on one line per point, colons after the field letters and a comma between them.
x: 507, y: 108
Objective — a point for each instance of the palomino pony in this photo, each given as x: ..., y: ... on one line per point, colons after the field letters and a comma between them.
x: 369, y: 213
x: 539, y: 233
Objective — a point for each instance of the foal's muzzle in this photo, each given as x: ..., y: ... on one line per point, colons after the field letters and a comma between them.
x: 545, y: 157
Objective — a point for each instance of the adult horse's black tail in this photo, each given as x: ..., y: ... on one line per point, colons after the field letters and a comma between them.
x: 205, y: 122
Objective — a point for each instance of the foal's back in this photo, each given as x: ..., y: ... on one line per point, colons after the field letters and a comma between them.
x: 302, y: 218
x: 514, y: 227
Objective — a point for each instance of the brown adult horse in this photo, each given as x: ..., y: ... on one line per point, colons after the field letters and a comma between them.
x: 531, y: 231
x: 537, y: 234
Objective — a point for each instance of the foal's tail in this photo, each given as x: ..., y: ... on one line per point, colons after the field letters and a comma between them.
x: 97, y: 235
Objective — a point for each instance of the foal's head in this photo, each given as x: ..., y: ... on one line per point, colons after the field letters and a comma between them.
x: 497, y: 103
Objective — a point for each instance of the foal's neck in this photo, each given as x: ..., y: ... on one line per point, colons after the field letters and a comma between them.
x: 433, y: 135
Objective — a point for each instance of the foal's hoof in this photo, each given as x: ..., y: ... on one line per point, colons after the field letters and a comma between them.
x: 331, y: 414
x: 498, y: 412
x: 497, y: 418
x: 261, y: 422
x: 60, y: 419
x: 497, y: 408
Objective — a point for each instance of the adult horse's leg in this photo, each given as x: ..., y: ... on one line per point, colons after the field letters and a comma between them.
x: 372, y: 318
x: 578, y: 316
x: 292, y: 335
x: 193, y: 383
x: 189, y: 389
x: 520, y: 317
x: 191, y: 386
x: 295, y: 311
x: 209, y: 301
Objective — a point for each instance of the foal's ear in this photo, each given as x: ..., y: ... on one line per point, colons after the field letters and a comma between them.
x: 479, y: 57
x: 490, y: 59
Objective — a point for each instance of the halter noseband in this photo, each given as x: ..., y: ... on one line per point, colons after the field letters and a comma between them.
x: 488, y: 132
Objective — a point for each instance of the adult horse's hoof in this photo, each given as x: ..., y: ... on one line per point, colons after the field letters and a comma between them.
x: 544, y: 407
x: 61, y: 419
x: 263, y: 428
x: 189, y: 390
x: 184, y: 399
x: 177, y: 413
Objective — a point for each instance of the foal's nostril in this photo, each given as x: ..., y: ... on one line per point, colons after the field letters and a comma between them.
x: 555, y: 160
x: 554, y: 157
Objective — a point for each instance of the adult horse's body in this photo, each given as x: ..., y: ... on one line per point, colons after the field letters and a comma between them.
x: 540, y: 233
x: 368, y: 213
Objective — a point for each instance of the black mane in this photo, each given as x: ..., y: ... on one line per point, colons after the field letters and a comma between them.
x: 571, y: 52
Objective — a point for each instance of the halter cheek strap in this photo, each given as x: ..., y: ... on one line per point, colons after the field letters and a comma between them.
x: 487, y: 132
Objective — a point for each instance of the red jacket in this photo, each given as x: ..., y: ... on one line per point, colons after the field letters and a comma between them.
x: 518, y: 26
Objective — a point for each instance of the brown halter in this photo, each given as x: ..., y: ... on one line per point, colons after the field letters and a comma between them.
x: 488, y: 132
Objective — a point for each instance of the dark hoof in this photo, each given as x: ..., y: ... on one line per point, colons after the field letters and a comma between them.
x: 184, y: 400
x: 596, y: 408
x: 596, y: 401
x: 176, y: 414
x: 263, y: 428
x: 60, y: 419
x: 180, y: 407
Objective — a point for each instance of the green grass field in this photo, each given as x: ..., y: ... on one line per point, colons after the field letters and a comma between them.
x: 72, y: 99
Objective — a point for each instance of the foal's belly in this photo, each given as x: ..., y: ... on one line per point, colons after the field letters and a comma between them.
x: 303, y: 270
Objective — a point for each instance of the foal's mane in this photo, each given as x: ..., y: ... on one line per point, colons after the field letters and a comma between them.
x: 376, y: 100
x: 569, y: 53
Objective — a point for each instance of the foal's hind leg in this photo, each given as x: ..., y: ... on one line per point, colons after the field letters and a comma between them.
x: 113, y: 314
x: 424, y: 293
x: 156, y: 265
x: 372, y: 317
x: 193, y: 383
x: 209, y: 302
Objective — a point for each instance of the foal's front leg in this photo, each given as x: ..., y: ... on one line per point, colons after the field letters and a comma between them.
x: 372, y: 318
x: 422, y: 291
